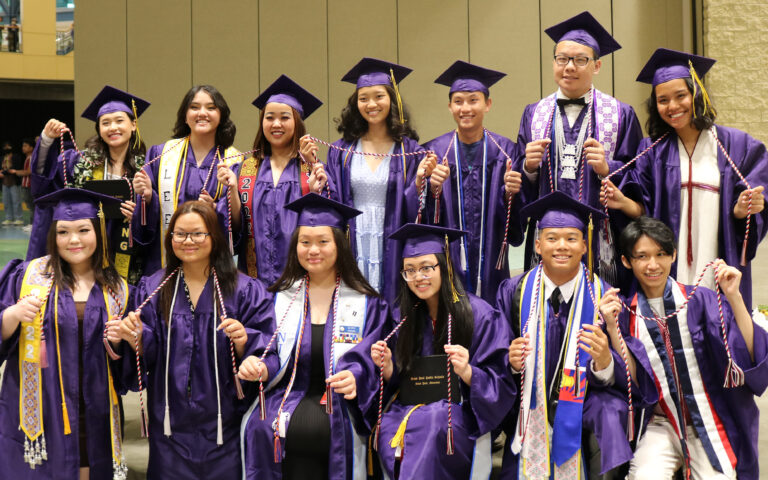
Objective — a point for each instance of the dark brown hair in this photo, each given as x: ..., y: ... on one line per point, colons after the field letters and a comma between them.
x: 263, y: 147
x: 220, y: 258
x: 656, y: 125
x: 62, y: 274
x: 346, y: 266
x: 98, y: 145
x: 225, y: 132
x: 352, y: 125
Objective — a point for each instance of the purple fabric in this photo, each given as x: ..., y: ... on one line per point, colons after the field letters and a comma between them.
x: 114, y: 106
x: 468, y: 85
x: 149, y: 235
x: 373, y: 78
x: 423, y: 246
x: 582, y: 37
x: 484, y: 406
x: 286, y: 99
x: 602, y: 412
x: 401, y: 196
x: 665, y: 65
x: 110, y: 100
x: 656, y: 182
x: 628, y: 138
x: 561, y: 219
x: 63, y: 450
x: 665, y: 74
x: 496, y: 209
x: 735, y: 407
x: 191, y: 450
x: 259, y: 436
x: 318, y: 211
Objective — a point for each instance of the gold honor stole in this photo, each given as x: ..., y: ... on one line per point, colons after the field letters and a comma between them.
x: 172, y: 167
x: 122, y: 252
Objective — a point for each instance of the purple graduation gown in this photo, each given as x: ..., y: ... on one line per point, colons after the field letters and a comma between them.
x: 495, y: 209
x: 346, y: 421
x: 481, y: 411
x: 273, y: 224
x: 191, y: 451
x: 656, y: 182
x: 735, y: 407
x: 149, y: 235
x: 605, y: 408
x: 399, y: 193
x: 51, y: 180
x: 627, y: 139
x: 63, y: 450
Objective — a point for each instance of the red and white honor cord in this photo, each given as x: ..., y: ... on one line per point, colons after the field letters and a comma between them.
x: 523, y: 423
x: 238, y: 387
x: 310, y: 166
x: 504, y: 243
x: 449, y: 433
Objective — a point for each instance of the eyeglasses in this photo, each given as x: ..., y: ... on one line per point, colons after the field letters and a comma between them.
x: 579, y: 61
x: 181, y: 237
x: 426, y: 271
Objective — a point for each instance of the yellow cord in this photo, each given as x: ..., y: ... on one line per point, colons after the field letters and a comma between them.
x: 64, y: 412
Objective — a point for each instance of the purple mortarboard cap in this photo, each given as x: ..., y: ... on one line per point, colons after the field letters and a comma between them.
x: 317, y: 211
x: 586, y: 30
x: 71, y: 204
x: 111, y: 100
x: 420, y: 239
x: 286, y: 91
x: 665, y: 65
x: 558, y: 210
x: 465, y: 77
x: 371, y: 71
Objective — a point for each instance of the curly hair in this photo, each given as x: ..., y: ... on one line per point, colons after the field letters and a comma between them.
x: 352, y: 125
x: 225, y: 132
x: 656, y: 126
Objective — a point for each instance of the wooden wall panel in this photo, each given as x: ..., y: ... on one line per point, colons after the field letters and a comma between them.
x: 216, y: 28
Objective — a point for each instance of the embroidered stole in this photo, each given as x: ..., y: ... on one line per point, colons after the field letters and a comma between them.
x: 532, y: 436
x: 684, y: 383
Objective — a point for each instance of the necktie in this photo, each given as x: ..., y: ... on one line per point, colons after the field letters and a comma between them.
x: 555, y: 300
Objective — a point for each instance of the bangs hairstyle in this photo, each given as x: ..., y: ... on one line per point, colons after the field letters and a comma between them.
x: 653, y: 228
x: 62, y: 273
x: 346, y: 266
x: 352, y: 125
x: 225, y: 132
x: 220, y: 256
x: 264, y: 148
x: 656, y: 126
x: 411, y: 335
x: 98, y: 145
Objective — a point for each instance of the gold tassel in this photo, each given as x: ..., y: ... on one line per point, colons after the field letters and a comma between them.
x: 590, y: 260
x: 401, y: 115
x: 103, y: 230
x: 137, y: 140
x: 454, y: 293
x: 697, y: 83
x: 64, y: 412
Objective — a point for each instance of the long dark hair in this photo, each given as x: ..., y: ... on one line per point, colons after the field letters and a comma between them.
x: 657, y: 127
x: 352, y: 125
x: 62, y: 273
x: 220, y: 259
x: 262, y: 146
x: 345, y: 266
x: 225, y: 132
x: 98, y: 145
x: 411, y: 335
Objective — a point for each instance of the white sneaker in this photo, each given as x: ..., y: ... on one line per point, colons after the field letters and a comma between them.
x: 19, y: 223
x: 27, y: 228
x: 6, y: 223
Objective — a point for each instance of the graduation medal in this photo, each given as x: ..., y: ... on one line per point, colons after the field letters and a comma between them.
x: 32, y: 355
x: 568, y: 161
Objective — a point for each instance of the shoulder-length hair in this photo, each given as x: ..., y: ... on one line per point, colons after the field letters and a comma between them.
x: 657, y: 127
x: 352, y: 125
x: 263, y: 147
x: 411, y: 335
x: 62, y: 273
x: 220, y: 258
x: 98, y: 145
x: 346, y: 266
x: 225, y: 132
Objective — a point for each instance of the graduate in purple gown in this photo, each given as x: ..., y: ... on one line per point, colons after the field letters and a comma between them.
x: 272, y: 178
x: 191, y: 345
x: 475, y: 185
x: 438, y: 439
x: 375, y: 121
x: 691, y: 201
x: 115, y: 152
x: 183, y: 168
x: 717, y: 365
x: 578, y: 134
x: 59, y: 403
x: 317, y: 373
x: 553, y: 313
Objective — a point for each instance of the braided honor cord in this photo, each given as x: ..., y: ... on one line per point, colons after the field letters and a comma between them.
x: 504, y: 243
x: 238, y: 387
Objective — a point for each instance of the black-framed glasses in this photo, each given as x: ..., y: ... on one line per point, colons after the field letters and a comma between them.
x: 578, y: 60
x: 425, y: 271
x: 181, y: 237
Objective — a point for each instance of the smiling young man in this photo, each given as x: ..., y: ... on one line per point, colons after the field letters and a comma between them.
x: 547, y: 307
x: 571, y: 139
x: 477, y: 180
x: 713, y: 432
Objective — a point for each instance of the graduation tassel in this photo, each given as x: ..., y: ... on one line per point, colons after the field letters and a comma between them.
x: 370, y: 458
x: 400, y: 112
x: 262, y: 407
x: 277, y: 448
x: 219, y: 433
x: 328, y: 399
x: 137, y: 140
x: 454, y: 293
x: 590, y: 253
x: 167, y: 421
x: 103, y: 231
x: 449, y: 437
x: 64, y: 411
x: 43, y: 353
